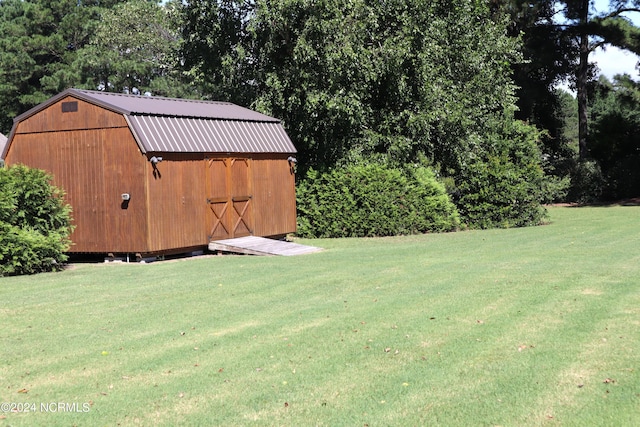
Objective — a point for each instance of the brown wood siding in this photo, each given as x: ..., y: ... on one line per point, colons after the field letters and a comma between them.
x: 177, y: 202
x: 274, y: 197
x: 249, y: 195
x: 94, y: 168
x: 124, y: 173
x: 88, y: 116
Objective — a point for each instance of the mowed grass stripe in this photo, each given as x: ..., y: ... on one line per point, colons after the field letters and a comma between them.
x: 497, y: 327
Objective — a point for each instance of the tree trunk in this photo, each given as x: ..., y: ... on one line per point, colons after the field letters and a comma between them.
x: 582, y: 78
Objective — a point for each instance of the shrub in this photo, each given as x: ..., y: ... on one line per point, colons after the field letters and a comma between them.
x: 35, y: 223
x: 587, y: 182
x: 373, y: 200
x: 623, y: 178
x: 614, y: 142
x: 504, y: 185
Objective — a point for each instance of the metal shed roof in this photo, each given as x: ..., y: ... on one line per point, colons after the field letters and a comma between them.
x: 160, y: 106
x: 187, y: 126
x: 189, y: 135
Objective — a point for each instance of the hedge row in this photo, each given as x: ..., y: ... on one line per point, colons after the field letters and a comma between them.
x: 373, y: 200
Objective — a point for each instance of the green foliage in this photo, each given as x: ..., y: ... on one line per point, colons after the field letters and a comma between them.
x: 555, y: 189
x: 568, y: 116
x: 34, y: 220
x: 587, y: 182
x: 504, y: 185
x: 373, y: 200
x: 318, y: 72
x: 393, y: 79
x: 216, y: 46
x: 47, y: 46
x: 27, y: 251
x: 389, y: 82
x: 39, y: 43
x: 127, y: 52
x: 615, y: 136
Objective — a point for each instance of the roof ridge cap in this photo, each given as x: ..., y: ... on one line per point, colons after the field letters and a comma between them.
x: 267, y: 119
x: 166, y: 98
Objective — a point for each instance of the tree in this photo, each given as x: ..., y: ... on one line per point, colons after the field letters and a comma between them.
x: 577, y: 31
x: 39, y: 42
x: 615, y: 134
x: 316, y: 69
x: 549, y: 58
x: 394, y: 79
x: 401, y: 81
x: 610, y: 27
x: 135, y: 49
x: 216, y: 47
x: 47, y: 46
x: 404, y: 82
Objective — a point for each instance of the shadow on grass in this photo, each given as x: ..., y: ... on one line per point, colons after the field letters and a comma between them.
x: 100, y: 258
x: 604, y: 204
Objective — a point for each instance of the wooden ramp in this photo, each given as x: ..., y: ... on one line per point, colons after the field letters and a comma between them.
x: 252, y: 245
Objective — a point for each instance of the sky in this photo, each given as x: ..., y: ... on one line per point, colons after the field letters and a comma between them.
x: 612, y: 61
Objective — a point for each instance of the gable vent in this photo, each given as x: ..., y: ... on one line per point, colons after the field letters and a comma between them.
x: 70, y: 107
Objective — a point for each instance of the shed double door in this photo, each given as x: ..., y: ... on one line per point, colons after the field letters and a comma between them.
x: 229, y: 198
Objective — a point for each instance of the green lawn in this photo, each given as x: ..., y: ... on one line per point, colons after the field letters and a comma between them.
x: 520, y: 327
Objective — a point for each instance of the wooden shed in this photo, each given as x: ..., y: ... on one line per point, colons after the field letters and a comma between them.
x: 151, y: 175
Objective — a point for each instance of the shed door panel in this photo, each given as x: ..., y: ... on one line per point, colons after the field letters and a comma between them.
x: 241, y: 197
x: 217, y: 200
x: 229, y: 198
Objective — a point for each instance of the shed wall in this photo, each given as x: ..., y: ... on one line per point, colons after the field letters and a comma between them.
x: 94, y: 167
x: 94, y: 158
x: 177, y: 202
x: 179, y: 213
x: 87, y: 116
x: 274, y: 195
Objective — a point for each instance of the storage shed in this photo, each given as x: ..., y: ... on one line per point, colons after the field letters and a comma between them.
x: 151, y: 175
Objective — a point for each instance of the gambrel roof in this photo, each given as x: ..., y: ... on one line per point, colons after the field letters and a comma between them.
x: 186, y: 126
